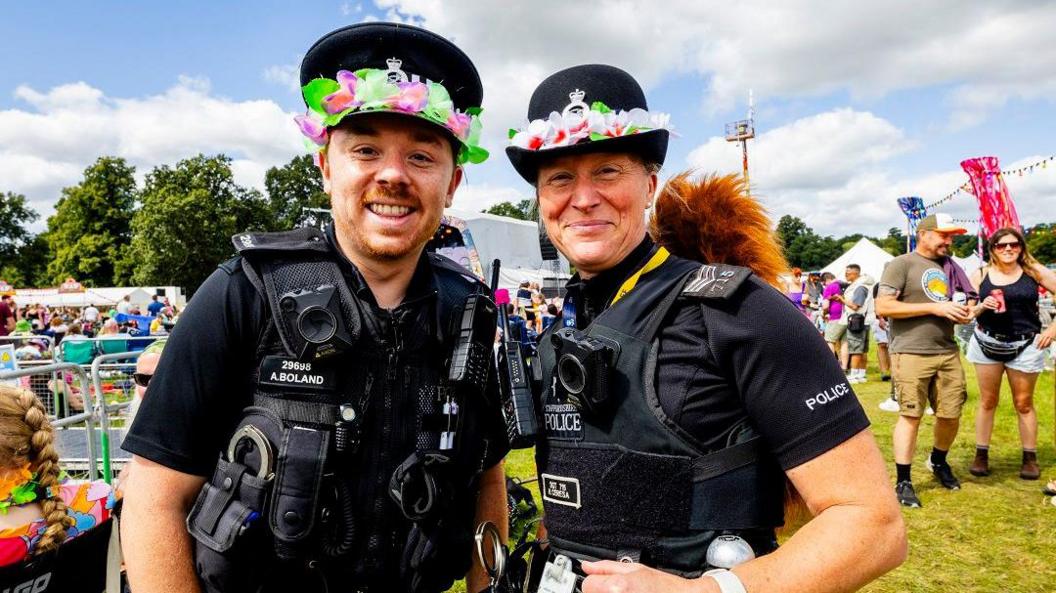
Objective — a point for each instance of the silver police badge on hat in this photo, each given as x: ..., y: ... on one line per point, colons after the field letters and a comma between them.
x: 394, y: 73
x: 577, y: 106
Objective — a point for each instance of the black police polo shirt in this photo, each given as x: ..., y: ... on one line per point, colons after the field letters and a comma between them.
x: 753, y: 357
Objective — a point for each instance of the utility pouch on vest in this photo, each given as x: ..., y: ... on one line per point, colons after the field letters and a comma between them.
x: 225, y: 523
x: 295, y: 502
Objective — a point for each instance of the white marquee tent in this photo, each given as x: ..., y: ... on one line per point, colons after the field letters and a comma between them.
x: 969, y: 264
x: 866, y: 254
x: 515, y: 243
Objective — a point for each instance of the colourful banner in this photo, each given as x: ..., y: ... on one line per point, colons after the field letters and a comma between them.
x: 996, y: 209
x: 913, y: 208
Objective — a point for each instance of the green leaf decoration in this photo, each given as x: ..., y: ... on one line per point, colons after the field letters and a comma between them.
x: 474, y: 111
x: 316, y: 90
x: 511, y: 133
x: 473, y: 154
x: 600, y: 107
x: 25, y: 493
x: 332, y: 120
x: 594, y: 136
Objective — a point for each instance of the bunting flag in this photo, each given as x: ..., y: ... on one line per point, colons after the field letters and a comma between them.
x: 996, y: 209
x: 967, y: 188
x: 914, y: 209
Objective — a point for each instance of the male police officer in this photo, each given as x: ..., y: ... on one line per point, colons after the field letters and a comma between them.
x: 677, y: 397
x: 311, y: 376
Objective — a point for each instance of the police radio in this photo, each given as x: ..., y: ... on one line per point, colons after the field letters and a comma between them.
x: 472, y: 358
x: 518, y: 405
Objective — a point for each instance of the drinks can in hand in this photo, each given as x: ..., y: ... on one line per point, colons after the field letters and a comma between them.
x: 960, y: 298
x: 999, y: 294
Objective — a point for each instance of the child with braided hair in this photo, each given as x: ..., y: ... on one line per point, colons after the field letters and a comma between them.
x: 39, y: 507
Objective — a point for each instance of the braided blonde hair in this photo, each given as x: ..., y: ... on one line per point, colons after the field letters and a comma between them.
x: 26, y: 436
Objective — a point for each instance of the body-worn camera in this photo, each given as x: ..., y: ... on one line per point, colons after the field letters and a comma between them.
x: 316, y: 321
x: 584, y: 366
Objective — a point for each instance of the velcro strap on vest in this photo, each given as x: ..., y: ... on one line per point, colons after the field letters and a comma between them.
x: 297, y: 411
x: 727, y: 460
x: 302, y: 458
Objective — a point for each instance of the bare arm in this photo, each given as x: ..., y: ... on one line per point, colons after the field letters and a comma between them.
x: 154, y: 536
x: 491, y: 506
x: 1047, y: 278
x: 827, y: 555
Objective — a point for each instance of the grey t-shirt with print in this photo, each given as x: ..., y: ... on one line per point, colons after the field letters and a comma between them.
x: 917, y: 279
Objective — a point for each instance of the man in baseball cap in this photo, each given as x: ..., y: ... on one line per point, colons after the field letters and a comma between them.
x: 304, y: 421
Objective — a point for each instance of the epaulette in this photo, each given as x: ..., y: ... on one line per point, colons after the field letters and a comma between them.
x: 232, y: 265
x: 302, y: 239
x: 716, y: 281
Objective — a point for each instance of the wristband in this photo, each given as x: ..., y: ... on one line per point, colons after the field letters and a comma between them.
x: 727, y: 581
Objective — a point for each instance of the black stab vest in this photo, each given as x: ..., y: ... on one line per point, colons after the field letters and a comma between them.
x: 625, y: 483
x: 326, y: 519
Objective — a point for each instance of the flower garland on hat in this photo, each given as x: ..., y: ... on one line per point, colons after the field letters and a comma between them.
x: 370, y: 89
x: 598, y: 123
x: 18, y: 487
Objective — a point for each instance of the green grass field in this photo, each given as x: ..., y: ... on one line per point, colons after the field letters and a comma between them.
x: 997, y: 534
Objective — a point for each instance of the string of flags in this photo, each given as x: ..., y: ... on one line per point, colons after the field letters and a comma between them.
x: 1020, y: 171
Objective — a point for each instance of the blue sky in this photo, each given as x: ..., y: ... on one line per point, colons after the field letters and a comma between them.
x: 855, y: 106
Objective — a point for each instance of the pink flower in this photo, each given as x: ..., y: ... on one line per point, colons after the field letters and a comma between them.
x: 312, y: 129
x: 413, y: 97
x: 345, y: 97
x: 458, y: 123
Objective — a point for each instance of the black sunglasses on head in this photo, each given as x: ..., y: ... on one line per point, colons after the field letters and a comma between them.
x: 142, y: 379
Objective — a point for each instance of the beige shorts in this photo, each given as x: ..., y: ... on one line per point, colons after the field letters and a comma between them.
x: 922, y: 379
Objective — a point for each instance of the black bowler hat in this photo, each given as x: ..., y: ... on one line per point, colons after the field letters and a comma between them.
x: 401, y: 54
x: 583, y: 109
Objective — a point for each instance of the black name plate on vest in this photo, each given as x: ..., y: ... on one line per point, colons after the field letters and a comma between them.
x: 289, y: 373
x: 561, y: 490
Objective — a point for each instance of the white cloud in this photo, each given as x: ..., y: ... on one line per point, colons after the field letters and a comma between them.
x: 474, y: 197
x: 803, y: 48
x: 285, y: 75
x: 47, y: 145
x: 833, y: 171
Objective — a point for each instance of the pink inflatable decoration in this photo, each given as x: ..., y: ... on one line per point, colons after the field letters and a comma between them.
x: 996, y: 209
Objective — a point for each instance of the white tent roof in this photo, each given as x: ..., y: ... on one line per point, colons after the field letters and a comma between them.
x: 866, y: 254
x: 515, y: 242
x: 969, y: 264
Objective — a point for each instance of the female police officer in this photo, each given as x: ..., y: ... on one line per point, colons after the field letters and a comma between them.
x: 360, y: 461
x: 673, y: 404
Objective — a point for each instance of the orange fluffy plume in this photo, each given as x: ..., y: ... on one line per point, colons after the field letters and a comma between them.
x: 710, y: 219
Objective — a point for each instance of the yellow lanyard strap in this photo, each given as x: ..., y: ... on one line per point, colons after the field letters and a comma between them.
x: 654, y: 262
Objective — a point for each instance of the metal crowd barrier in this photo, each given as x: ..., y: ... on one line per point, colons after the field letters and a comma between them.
x: 117, y: 375
x: 94, y: 408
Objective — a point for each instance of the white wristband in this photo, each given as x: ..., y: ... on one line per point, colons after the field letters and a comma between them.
x: 727, y: 581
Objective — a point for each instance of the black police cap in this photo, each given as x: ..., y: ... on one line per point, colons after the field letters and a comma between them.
x: 610, y: 85
x: 421, y: 53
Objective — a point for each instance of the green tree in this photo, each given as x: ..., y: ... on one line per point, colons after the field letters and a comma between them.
x: 1041, y: 241
x: 15, y: 216
x: 291, y: 189
x: 523, y: 210
x: 790, y: 228
x: 189, y: 213
x: 90, y: 230
x: 29, y: 265
x: 964, y: 245
x: 895, y: 241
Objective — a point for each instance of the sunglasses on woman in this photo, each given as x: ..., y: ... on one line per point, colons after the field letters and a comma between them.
x: 1011, y: 245
x: 142, y: 379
